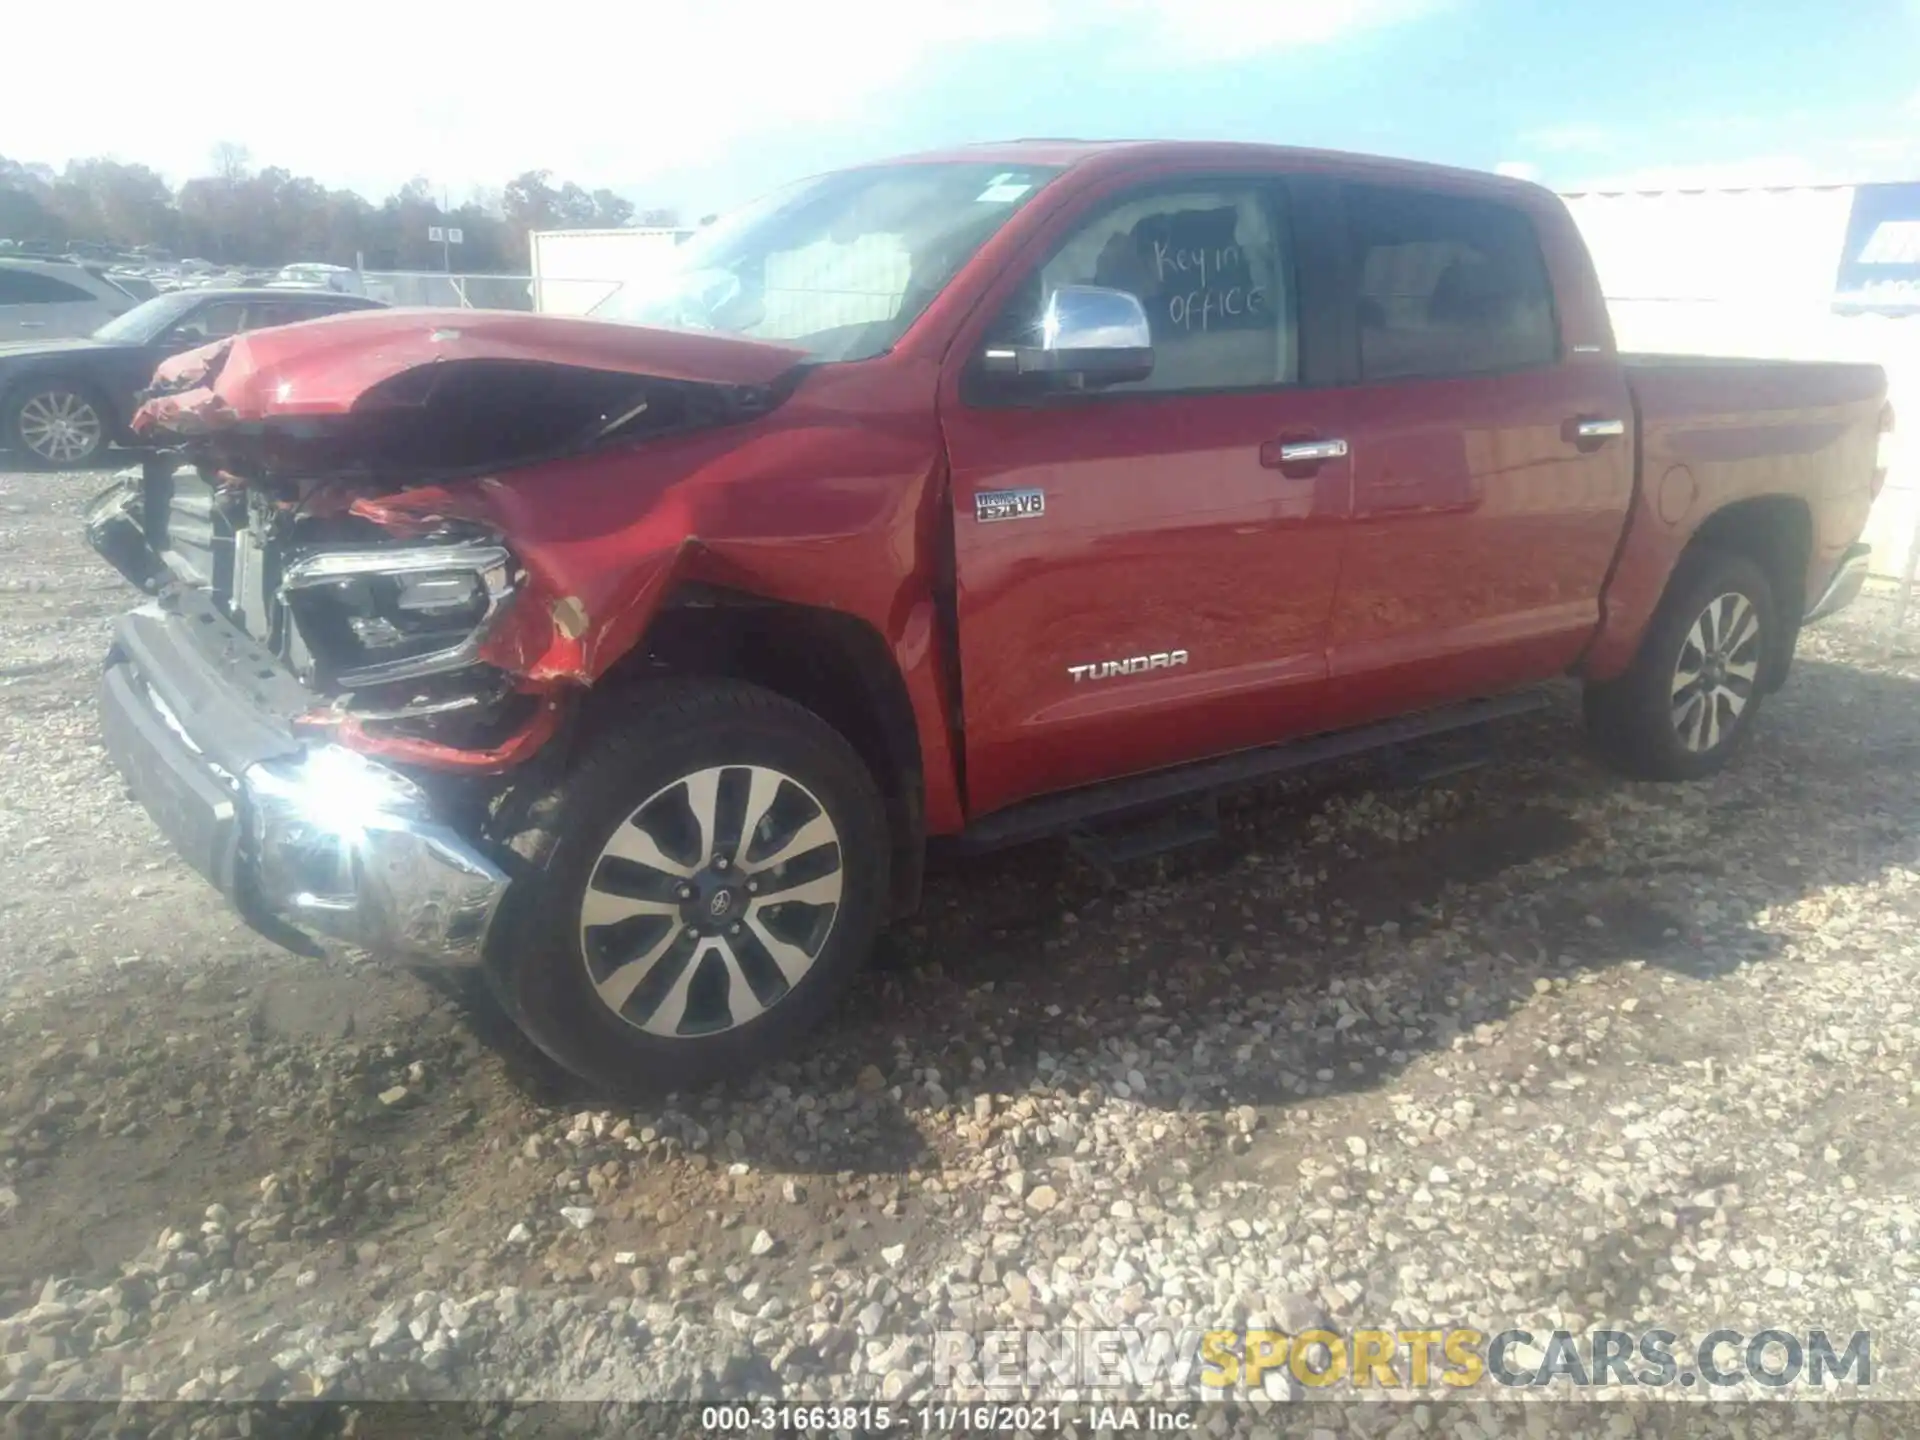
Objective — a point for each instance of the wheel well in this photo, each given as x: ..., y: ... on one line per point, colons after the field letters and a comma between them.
x: 834, y: 664
x: 1776, y: 532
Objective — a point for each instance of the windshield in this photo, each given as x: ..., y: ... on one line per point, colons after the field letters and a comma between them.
x: 142, y: 324
x: 840, y: 264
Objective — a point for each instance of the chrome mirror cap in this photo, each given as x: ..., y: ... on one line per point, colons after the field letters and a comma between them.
x: 1092, y: 317
x: 1090, y: 337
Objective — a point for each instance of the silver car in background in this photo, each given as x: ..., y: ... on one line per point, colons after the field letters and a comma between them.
x: 56, y: 299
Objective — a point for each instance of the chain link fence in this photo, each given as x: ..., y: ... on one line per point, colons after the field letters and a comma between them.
x: 456, y: 291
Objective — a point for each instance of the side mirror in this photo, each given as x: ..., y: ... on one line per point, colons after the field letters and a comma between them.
x: 1090, y: 337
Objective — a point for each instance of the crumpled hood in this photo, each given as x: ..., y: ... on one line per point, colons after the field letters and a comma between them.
x: 438, y: 423
x: 342, y: 364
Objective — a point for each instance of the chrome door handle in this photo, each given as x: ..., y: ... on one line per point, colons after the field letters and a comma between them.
x: 1598, y: 429
x: 1303, y: 452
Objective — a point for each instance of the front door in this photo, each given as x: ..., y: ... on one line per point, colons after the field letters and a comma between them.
x: 1145, y: 575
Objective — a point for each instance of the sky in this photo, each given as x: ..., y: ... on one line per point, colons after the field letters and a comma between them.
x: 700, y: 104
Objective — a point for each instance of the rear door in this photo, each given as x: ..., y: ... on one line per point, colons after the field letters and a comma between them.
x: 1491, y: 467
x: 1143, y: 576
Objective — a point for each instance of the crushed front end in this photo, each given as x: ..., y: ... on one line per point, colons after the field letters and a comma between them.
x: 348, y: 669
x: 247, y: 701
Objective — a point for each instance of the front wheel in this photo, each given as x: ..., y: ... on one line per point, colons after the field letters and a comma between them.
x: 1687, y: 704
x: 57, y: 423
x: 700, y: 891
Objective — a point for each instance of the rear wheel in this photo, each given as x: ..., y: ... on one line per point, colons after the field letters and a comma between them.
x: 60, y: 424
x: 1688, y: 702
x: 702, y: 888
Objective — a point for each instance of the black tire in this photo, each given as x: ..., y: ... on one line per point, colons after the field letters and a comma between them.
x: 546, y: 961
x: 29, y: 402
x: 1649, y: 724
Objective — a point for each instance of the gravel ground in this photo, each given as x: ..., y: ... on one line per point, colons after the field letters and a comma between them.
x: 1527, y: 1046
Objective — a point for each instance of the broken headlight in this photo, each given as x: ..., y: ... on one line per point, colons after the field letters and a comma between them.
x: 368, y: 617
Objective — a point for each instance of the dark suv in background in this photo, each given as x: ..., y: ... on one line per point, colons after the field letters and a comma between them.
x: 63, y: 402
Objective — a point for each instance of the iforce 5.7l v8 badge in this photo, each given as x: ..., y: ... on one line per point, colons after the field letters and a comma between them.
x: 1009, y: 504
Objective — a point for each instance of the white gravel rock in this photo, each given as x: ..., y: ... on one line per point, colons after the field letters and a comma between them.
x: 1532, y: 1046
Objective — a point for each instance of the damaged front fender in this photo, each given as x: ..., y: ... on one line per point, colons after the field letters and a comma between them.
x: 416, y: 430
x: 571, y: 620
x: 487, y: 759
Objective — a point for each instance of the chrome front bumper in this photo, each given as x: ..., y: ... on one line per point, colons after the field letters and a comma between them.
x: 309, y: 836
x: 1844, y: 588
x: 344, y: 847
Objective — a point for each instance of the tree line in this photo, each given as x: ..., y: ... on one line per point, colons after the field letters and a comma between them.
x: 240, y: 215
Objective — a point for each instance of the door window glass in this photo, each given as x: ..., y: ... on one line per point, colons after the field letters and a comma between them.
x: 1447, y: 285
x: 214, y: 321
x: 1209, y: 265
x: 269, y: 314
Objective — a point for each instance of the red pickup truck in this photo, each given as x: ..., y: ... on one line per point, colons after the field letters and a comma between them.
x: 971, y: 497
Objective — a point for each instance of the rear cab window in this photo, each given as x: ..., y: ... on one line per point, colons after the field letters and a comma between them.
x: 1446, y: 285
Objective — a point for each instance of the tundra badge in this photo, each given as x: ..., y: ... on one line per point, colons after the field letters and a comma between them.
x: 1009, y: 504
x: 1106, y: 669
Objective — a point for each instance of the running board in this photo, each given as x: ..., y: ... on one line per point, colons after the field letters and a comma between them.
x: 1059, y: 814
x: 1106, y: 847
x: 1422, y: 763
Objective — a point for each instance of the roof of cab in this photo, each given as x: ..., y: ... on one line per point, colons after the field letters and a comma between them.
x: 1073, y: 154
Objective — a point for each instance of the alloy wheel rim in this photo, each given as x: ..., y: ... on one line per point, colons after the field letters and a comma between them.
x: 60, y: 426
x: 711, y: 902
x: 1715, y: 674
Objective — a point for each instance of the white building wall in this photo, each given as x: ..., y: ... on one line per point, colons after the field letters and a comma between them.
x: 575, y: 270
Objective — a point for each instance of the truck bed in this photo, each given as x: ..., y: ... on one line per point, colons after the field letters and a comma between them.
x: 1800, y: 437
x: 1654, y: 360
x: 1712, y: 431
